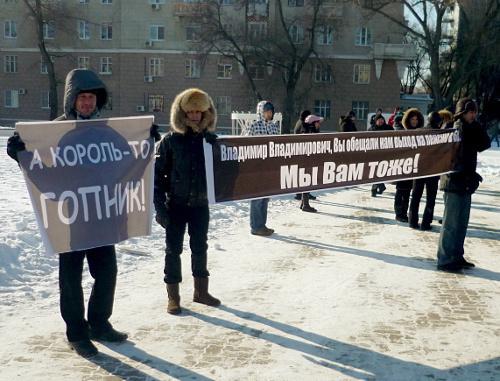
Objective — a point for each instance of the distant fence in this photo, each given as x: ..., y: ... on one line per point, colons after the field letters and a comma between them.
x: 240, y: 121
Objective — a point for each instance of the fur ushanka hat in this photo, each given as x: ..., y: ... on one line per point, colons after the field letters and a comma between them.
x: 188, y: 101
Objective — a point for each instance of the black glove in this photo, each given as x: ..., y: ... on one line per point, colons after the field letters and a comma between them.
x: 15, y: 145
x: 153, y: 132
x: 209, y: 137
x: 162, y: 214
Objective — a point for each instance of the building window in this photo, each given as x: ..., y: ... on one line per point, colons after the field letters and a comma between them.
x: 192, y: 32
x: 296, y: 33
x: 295, y: 3
x: 224, y: 71
x: 109, y: 104
x: 226, y: 2
x: 10, y: 1
x: 10, y: 29
x: 363, y: 36
x: 107, y: 30
x: 362, y: 74
x: 83, y: 30
x: 49, y: 30
x: 11, y: 99
x: 45, y: 99
x: 323, y: 73
x: 83, y: 1
x: 106, y: 65
x: 228, y: 28
x: 156, y: 102
x: 322, y: 108
x: 256, y: 72
x: 223, y: 105
x: 106, y: 1
x: 325, y: 35
x: 257, y: 8
x: 83, y: 62
x: 257, y: 29
x: 360, y: 108
x: 43, y: 65
x: 156, y: 1
x: 11, y: 64
x: 156, y: 67
x: 192, y: 68
x: 157, y: 32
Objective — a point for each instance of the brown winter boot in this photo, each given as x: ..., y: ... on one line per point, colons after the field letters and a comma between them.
x: 201, y: 294
x: 174, y: 299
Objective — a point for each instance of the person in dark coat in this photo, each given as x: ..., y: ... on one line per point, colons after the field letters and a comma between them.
x: 398, y: 125
x: 459, y: 186
x: 84, y: 97
x: 346, y: 123
x: 379, y: 125
x: 180, y: 193
x: 311, y: 126
x: 430, y: 184
x: 300, y: 125
x: 374, y: 116
x: 412, y: 120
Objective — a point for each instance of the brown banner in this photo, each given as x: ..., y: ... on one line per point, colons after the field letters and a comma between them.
x: 250, y: 167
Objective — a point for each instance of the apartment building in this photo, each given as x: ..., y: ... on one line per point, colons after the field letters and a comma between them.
x: 145, y: 51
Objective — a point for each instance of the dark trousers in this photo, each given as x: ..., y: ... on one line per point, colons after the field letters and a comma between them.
x: 431, y: 188
x: 454, y: 229
x: 196, y: 219
x: 402, y: 198
x: 102, y: 267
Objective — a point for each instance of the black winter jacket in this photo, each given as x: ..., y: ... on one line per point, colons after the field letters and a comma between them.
x: 184, y: 181
x: 346, y: 124
x: 474, y: 139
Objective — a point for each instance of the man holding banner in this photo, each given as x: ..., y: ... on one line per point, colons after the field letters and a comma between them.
x: 258, y: 207
x: 79, y: 149
x: 459, y: 186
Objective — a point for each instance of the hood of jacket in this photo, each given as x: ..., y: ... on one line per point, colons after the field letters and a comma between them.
x: 81, y: 80
x: 192, y: 99
x: 260, y: 113
x: 410, y: 114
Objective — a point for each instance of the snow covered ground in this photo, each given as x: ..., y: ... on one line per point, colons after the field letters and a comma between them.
x: 344, y: 294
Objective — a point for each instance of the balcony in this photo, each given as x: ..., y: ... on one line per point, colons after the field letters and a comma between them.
x: 403, y: 54
x: 332, y: 8
x: 189, y: 9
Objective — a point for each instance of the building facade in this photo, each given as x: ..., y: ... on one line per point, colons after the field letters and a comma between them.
x: 144, y: 50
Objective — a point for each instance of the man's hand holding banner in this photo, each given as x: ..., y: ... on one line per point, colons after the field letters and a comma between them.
x: 89, y: 181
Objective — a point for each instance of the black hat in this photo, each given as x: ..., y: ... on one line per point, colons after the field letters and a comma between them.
x: 379, y: 116
x: 434, y: 119
x: 351, y: 113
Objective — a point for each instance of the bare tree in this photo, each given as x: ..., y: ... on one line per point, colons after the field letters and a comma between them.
x: 42, y: 15
x: 429, y: 17
x: 286, y: 47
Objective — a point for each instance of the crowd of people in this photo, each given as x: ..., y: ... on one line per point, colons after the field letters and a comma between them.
x: 180, y: 197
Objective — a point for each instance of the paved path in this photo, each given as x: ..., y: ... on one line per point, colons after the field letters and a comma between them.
x: 344, y: 294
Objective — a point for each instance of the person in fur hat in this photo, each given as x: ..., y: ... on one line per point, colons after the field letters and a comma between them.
x: 412, y: 119
x: 180, y: 192
x: 459, y: 186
